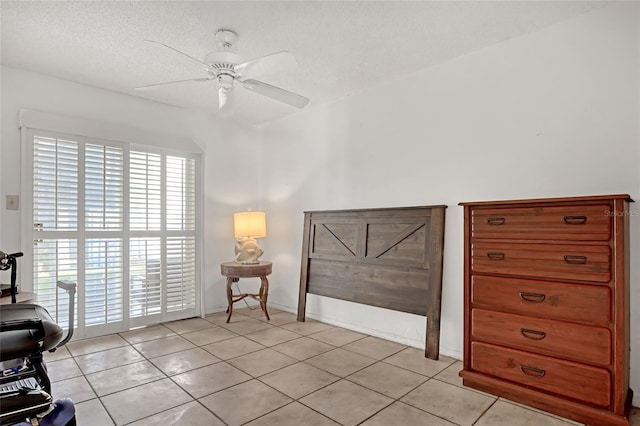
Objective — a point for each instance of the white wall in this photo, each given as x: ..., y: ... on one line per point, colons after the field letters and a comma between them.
x: 232, y: 176
x: 554, y: 113
x: 223, y: 145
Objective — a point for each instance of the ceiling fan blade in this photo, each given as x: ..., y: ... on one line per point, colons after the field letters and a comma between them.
x: 270, y: 64
x: 182, y: 53
x: 276, y: 93
x: 173, y: 82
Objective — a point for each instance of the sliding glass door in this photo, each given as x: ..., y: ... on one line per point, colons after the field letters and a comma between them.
x: 119, y: 220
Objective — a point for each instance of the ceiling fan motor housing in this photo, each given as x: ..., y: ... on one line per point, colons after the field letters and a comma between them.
x: 223, y: 61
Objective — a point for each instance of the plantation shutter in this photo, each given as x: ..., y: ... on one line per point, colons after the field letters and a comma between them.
x: 146, y: 285
x: 55, y: 190
x: 145, y: 294
x: 181, y: 194
x: 119, y: 221
x: 104, y: 188
x: 145, y: 188
x: 104, y: 276
x: 181, y: 250
x: 55, y: 218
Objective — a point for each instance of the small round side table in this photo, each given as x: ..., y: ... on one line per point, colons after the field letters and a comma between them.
x: 234, y: 271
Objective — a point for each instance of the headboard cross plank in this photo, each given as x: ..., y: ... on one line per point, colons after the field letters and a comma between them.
x: 389, y: 258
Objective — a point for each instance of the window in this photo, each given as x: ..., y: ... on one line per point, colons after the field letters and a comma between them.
x: 120, y: 220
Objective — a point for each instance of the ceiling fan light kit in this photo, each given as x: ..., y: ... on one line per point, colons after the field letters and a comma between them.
x: 226, y: 40
x: 226, y: 66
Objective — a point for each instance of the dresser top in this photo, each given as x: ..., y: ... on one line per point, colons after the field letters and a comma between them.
x: 625, y: 197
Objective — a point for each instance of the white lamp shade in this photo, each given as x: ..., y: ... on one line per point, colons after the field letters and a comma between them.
x: 250, y: 225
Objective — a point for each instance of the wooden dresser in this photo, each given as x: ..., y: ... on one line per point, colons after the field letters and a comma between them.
x: 546, y: 315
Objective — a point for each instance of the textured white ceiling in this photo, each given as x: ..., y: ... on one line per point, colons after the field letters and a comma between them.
x: 342, y: 47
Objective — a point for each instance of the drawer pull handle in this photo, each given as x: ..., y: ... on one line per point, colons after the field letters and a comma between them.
x: 536, y: 373
x: 575, y: 220
x: 495, y: 220
x: 576, y: 260
x: 533, y: 334
x: 495, y: 255
x: 532, y: 297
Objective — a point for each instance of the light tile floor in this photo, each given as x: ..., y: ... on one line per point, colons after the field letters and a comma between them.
x: 258, y: 373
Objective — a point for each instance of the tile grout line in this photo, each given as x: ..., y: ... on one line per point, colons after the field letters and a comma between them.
x: 93, y: 389
x: 393, y: 400
x: 303, y: 361
x: 260, y: 378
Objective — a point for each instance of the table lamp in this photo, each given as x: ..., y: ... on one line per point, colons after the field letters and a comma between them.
x: 247, y: 227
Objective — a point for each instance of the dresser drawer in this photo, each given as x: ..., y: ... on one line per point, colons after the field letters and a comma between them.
x: 560, y: 261
x: 577, y: 302
x: 574, y: 223
x: 577, y: 381
x: 582, y: 343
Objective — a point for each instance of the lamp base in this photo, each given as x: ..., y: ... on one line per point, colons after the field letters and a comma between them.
x: 247, y: 251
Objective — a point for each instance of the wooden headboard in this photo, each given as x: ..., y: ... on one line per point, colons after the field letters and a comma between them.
x: 390, y: 258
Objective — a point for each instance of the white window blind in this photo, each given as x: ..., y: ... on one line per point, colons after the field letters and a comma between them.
x: 55, y: 189
x: 55, y: 211
x: 121, y: 222
x: 145, y: 294
x: 54, y: 260
x: 145, y: 187
x: 103, y: 281
x: 181, y: 195
x: 104, y: 187
x: 180, y: 272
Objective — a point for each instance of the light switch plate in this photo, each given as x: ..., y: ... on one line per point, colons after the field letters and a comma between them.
x: 13, y: 202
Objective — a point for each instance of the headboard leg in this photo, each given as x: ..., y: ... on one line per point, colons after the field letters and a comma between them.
x: 432, y: 340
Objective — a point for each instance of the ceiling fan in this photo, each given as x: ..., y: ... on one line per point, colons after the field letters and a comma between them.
x: 226, y: 66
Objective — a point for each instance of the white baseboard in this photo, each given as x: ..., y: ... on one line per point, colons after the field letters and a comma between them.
x: 452, y: 353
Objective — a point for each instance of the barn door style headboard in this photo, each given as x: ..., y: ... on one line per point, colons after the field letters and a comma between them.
x: 389, y: 258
